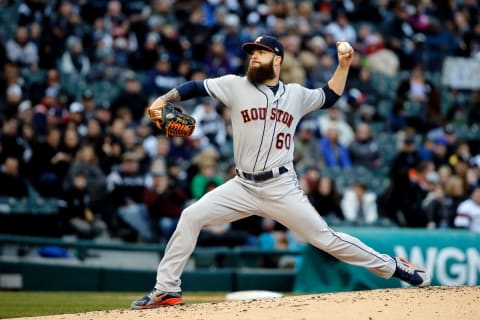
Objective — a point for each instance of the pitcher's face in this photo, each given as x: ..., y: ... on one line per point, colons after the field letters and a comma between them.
x: 260, y: 67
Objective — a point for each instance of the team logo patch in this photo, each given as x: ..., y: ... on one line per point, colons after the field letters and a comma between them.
x: 259, y: 39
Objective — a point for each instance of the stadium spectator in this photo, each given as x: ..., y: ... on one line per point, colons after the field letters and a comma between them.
x: 22, y: 51
x: 146, y: 137
x: 210, y: 124
x: 440, y: 152
x: 366, y: 90
x: 457, y: 114
x: 341, y: 28
x: 334, y: 153
x: 359, y: 205
x: 89, y: 104
x: 52, y: 82
x: 12, y: 183
x: 400, y: 34
x: 473, y: 108
x: 30, y: 11
x: 129, y: 139
x: 28, y: 140
x: 364, y: 150
x: 335, y: 116
x: 14, y: 95
x: 326, y: 200
x: 165, y: 202
x: 307, y: 152
x: 234, y: 36
x: 126, y: 187
x: 253, y: 26
x: 25, y: 112
x: 77, y: 212
x: 406, y: 159
x: 161, y: 77
x: 110, y: 150
x: 76, y: 118
x: 218, y: 61
x: 145, y: 58
x: 292, y: 69
x: 379, y: 57
x: 468, y: 212
x: 324, y: 69
x: 69, y: 144
x: 9, y: 140
x: 207, y: 177
x: 47, y: 163
x: 116, y: 23
x: 421, y: 101
x: 74, y: 60
x: 106, y: 68
x: 441, y: 203
x: 461, y: 151
x: 60, y: 27
x: 308, y: 179
x: 395, y: 199
x: 426, y: 148
x: 86, y: 161
x: 131, y: 96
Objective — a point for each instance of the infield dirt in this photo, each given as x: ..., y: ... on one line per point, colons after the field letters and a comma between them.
x: 451, y: 302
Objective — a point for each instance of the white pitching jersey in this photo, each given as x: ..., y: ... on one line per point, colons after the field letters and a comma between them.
x: 263, y: 123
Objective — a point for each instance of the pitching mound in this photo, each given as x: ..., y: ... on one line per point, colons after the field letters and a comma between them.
x: 429, y: 303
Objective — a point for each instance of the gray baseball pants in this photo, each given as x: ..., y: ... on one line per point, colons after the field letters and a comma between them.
x: 280, y: 199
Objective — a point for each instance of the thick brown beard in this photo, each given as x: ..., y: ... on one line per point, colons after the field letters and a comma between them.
x: 260, y: 74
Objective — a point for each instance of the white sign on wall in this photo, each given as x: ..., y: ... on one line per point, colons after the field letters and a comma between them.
x: 461, y: 73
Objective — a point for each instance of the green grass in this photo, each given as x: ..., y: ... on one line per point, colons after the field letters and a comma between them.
x: 28, y: 304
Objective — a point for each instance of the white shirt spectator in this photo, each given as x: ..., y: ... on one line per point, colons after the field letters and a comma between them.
x: 74, y: 60
x: 341, y: 29
x: 468, y: 213
x: 334, y: 117
x: 22, y: 51
x: 210, y: 124
x: 354, y: 210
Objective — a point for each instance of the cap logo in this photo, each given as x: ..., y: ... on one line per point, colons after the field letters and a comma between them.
x: 259, y: 39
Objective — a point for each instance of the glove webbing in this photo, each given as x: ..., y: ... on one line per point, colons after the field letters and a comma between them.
x: 180, y: 127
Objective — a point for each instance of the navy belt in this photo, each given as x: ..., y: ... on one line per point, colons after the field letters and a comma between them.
x: 261, y: 176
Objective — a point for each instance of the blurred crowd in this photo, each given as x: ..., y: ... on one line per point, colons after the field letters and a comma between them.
x: 390, y: 152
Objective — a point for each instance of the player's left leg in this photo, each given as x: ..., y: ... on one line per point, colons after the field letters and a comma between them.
x: 288, y: 205
x: 229, y: 202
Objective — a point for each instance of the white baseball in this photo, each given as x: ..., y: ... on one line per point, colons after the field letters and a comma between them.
x: 344, y: 47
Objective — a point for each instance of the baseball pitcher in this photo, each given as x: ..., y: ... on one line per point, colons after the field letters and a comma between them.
x: 265, y: 113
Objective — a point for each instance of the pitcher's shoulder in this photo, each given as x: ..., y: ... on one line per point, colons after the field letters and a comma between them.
x: 228, y: 78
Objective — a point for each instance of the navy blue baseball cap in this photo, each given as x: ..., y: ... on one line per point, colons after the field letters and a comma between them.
x: 265, y: 43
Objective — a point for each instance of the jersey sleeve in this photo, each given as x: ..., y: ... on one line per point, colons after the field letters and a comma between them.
x: 221, y: 88
x: 312, y: 99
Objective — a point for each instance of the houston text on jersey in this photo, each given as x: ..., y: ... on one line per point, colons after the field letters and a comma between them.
x: 260, y: 113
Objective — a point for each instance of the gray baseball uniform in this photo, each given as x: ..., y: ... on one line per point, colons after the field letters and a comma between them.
x: 266, y: 185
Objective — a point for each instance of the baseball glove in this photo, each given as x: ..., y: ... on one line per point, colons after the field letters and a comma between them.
x: 172, y: 120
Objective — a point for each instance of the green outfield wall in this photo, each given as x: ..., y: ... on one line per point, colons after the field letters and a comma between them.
x: 451, y: 256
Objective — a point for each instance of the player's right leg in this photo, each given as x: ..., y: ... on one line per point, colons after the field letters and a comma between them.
x: 229, y: 202
x: 288, y: 205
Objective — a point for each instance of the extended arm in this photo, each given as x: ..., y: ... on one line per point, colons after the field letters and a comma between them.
x: 336, y: 85
x: 185, y: 91
x: 339, y: 78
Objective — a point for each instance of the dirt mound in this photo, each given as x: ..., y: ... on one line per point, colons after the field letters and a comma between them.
x: 412, y: 303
